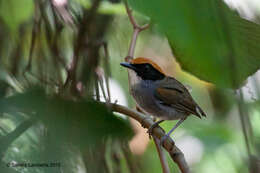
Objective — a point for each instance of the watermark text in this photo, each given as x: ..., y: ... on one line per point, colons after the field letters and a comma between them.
x: 27, y: 164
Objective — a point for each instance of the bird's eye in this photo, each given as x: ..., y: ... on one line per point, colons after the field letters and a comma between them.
x: 146, y: 67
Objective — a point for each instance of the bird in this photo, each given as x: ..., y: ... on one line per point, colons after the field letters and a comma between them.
x: 158, y: 94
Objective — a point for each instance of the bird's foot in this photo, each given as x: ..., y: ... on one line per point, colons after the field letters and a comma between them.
x: 150, y: 130
x: 163, y: 139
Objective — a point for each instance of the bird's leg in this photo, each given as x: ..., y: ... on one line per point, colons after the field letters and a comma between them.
x: 150, y: 130
x: 169, y: 133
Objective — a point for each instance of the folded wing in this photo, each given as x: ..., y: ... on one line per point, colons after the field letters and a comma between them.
x: 173, y: 94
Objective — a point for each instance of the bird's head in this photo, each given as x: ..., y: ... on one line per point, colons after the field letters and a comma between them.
x: 145, y: 68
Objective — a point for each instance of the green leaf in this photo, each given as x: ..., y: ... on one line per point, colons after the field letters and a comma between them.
x: 14, y: 12
x: 78, y: 122
x: 208, y: 39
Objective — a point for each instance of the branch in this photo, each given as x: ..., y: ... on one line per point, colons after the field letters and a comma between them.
x: 107, y: 69
x: 163, y: 160
x: 137, y: 29
x: 87, y: 21
x: 129, y: 159
x: 169, y: 145
x: 242, y: 114
x: 35, y: 31
x: 7, y: 140
x: 99, y: 77
x: 116, y: 162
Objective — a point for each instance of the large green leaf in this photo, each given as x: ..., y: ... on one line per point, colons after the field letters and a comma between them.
x: 208, y: 39
x: 78, y: 122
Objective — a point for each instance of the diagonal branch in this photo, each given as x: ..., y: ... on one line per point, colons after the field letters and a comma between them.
x: 107, y: 69
x: 169, y: 145
x: 137, y: 29
x: 7, y: 140
x: 35, y: 31
x: 163, y: 160
x: 161, y: 154
x: 242, y: 114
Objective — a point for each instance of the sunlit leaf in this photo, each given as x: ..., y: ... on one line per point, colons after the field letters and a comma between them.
x: 207, y: 38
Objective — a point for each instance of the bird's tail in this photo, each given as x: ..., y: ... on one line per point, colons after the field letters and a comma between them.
x: 200, y: 112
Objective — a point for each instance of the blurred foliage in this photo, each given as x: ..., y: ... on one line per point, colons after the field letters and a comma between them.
x: 80, y: 122
x: 43, y: 42
x: 205, y: 38
x: 61, y: 121
x: 14, y: 13
x: 81, y: 125
x: 222, y: 100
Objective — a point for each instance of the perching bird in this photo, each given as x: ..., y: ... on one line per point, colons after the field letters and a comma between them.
x: 158, y: 94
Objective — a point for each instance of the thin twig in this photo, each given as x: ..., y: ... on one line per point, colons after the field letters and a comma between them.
x: 97, y: 89
x: 256, y: 85
x: 107, y: 69
x: 62, y: 11
x: 163, y: 160
x: 137, y: 29
x: 132, y: 20
x: 103, y: 150
x: 242, y: 120
x: 103, y: 89
x: 129, y: 160
x: 130, y: 55
x: 116, y: 159
x: 35, y: 30
x: 164, y: 163
x: 7, y: 140
x: 100, y: 73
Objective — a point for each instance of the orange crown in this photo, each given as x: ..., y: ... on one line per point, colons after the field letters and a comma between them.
x: 141, y: 60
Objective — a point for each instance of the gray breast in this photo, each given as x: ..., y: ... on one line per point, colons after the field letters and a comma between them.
x: 143, y: 92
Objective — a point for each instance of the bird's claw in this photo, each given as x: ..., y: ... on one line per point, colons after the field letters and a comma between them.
x: 150, y: 130
x: 163, y: 139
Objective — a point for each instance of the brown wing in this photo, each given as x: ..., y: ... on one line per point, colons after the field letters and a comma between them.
x: 172, y: 93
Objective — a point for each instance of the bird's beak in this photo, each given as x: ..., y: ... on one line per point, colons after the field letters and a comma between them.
x: 128, y: 65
